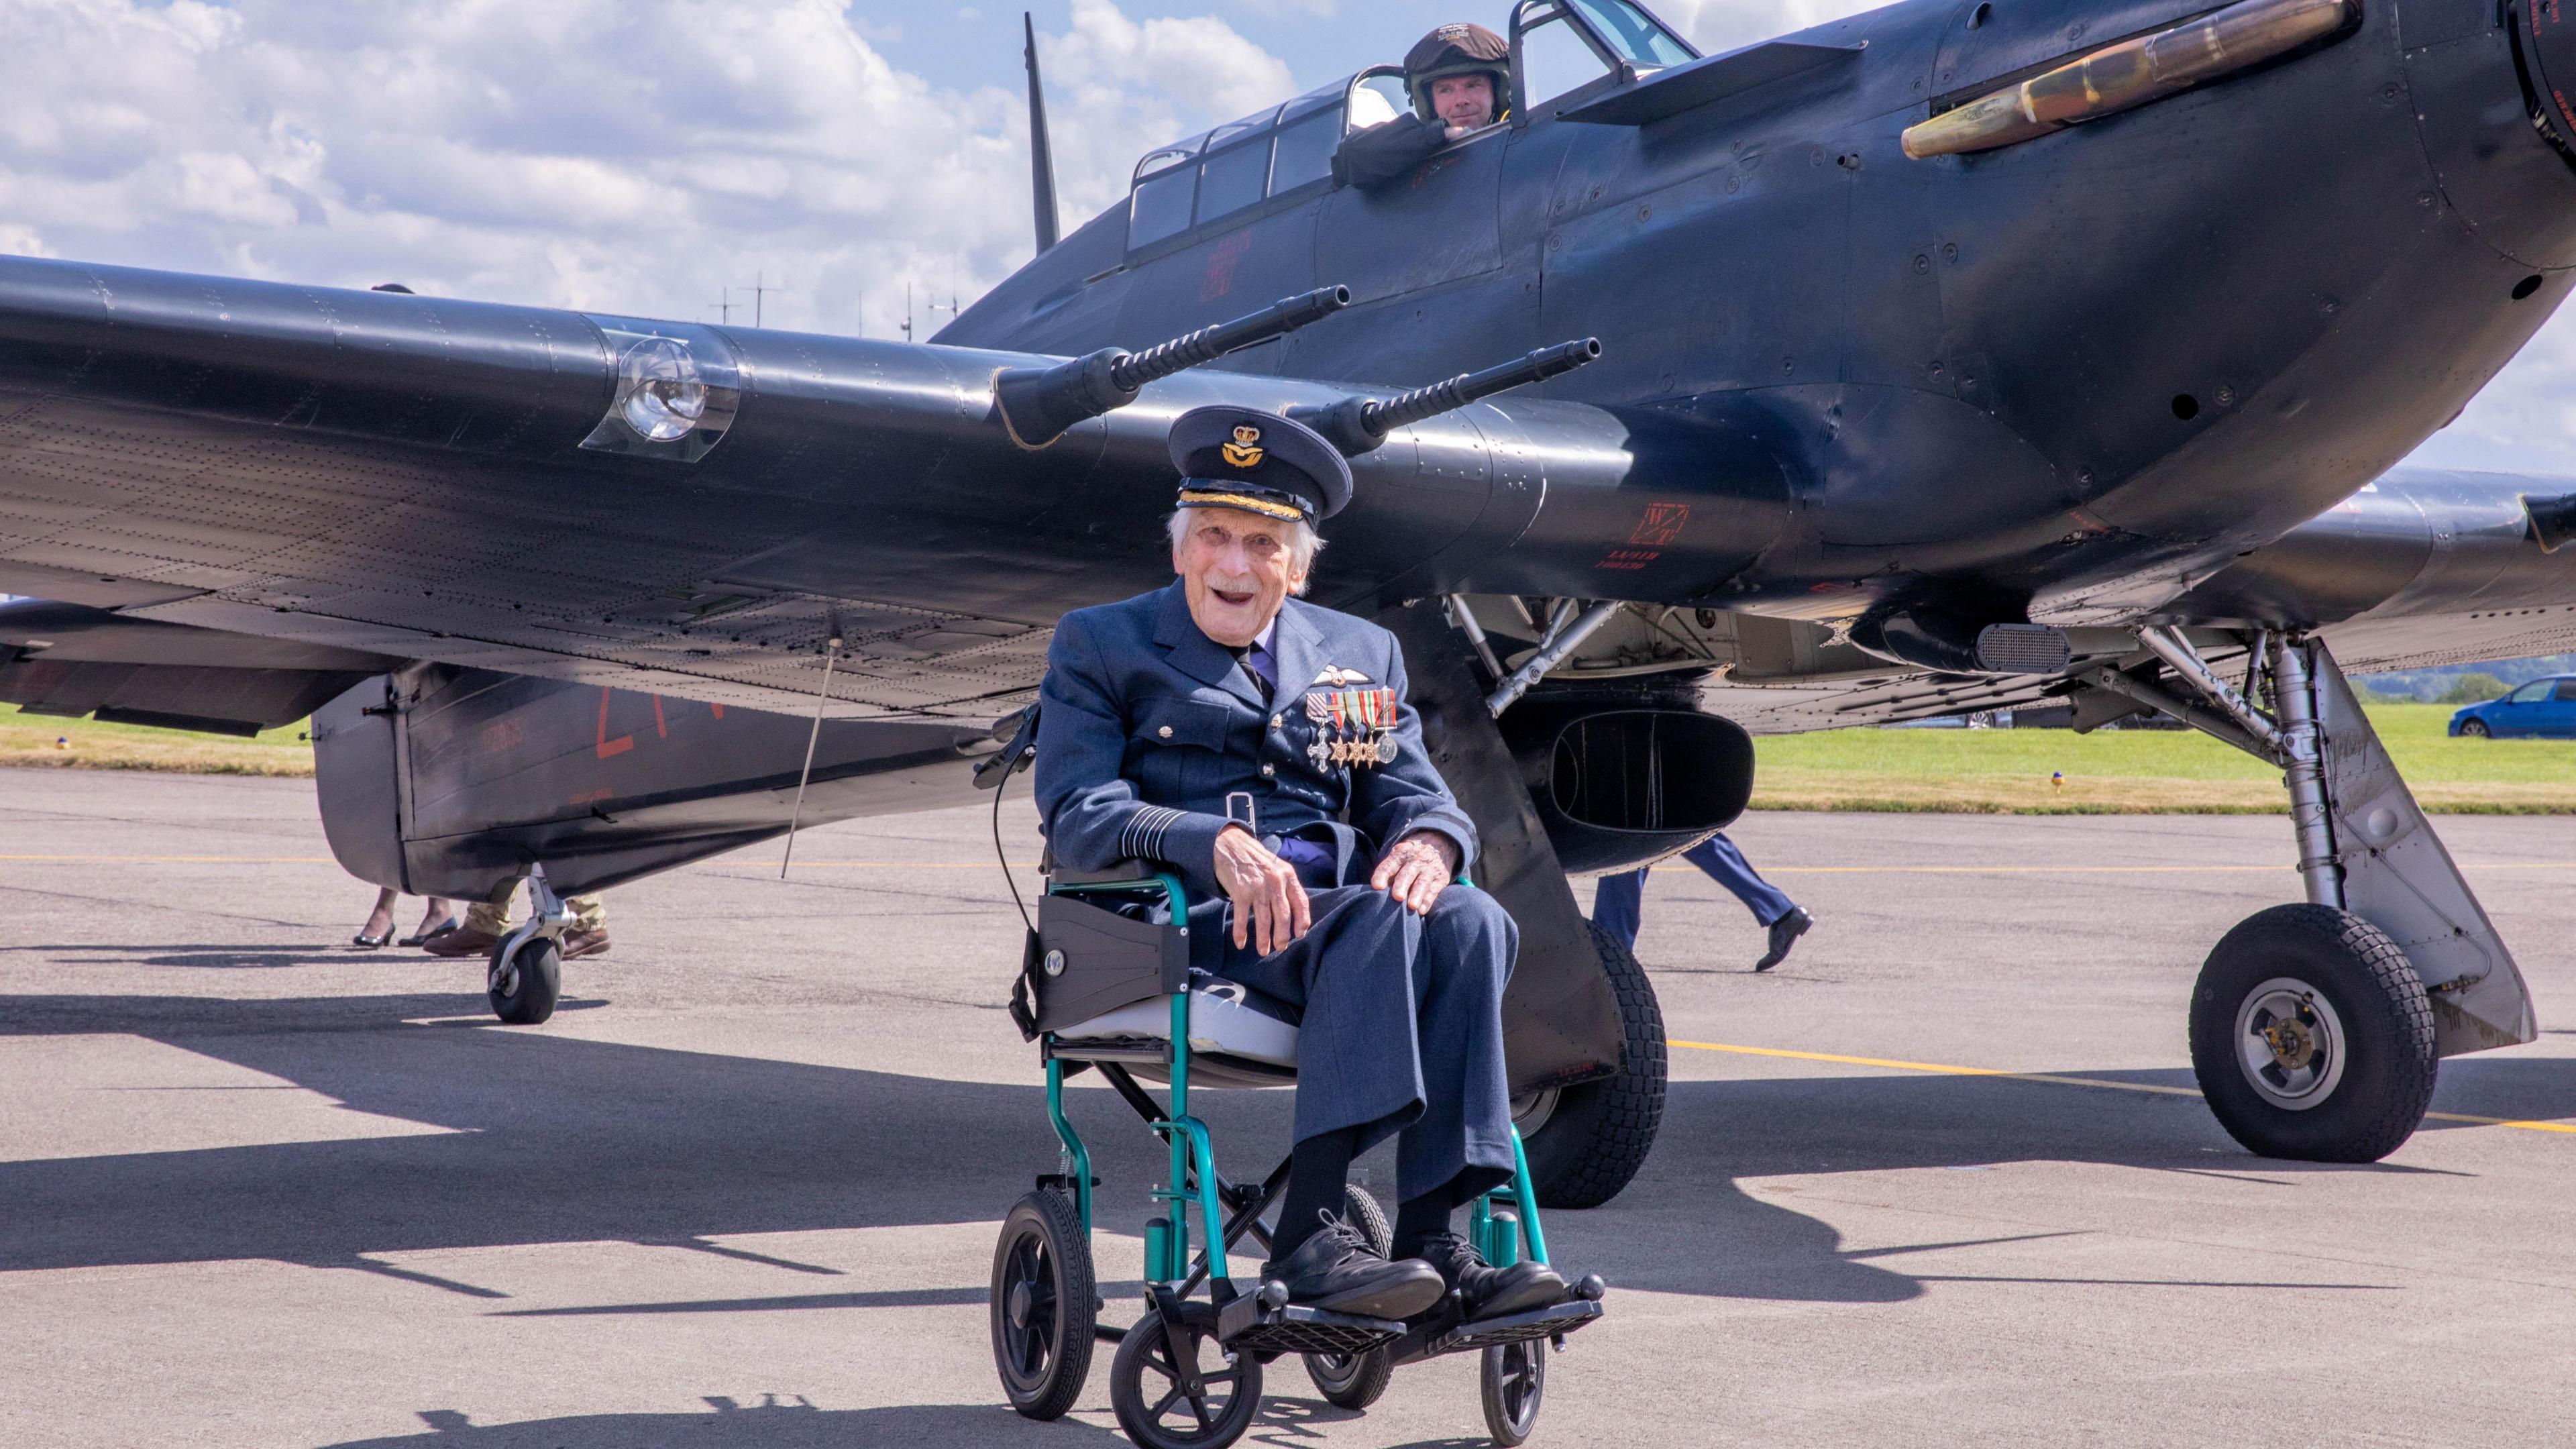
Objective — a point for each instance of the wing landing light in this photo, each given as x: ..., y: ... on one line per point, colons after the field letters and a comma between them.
x: 2130, y: 74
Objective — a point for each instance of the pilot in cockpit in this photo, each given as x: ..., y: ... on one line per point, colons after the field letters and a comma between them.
x: 1459, y: 77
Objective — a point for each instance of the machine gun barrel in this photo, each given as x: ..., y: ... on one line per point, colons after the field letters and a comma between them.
x: 1038, y: 404
x: 1357, y: 425
x: 1210, y: 343
x: 1440, y: 397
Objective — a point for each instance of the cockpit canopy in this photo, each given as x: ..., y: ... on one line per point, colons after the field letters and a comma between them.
x: 1558, y: 47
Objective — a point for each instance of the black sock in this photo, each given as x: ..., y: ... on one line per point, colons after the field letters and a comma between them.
x: 1317, y: 1171
x: 1417, y: 1218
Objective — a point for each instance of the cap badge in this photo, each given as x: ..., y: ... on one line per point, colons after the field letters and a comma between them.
x: 1245, y: 451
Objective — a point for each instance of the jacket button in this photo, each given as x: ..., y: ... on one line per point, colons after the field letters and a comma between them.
x: 1277, y: 720
x: 1165, y: 732
x: 1269, y: 770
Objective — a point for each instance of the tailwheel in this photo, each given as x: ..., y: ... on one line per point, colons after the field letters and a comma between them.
x: 1355, y: 1380
x: 1587, y: 1140
x: 1514, y: 1380
x: 1044, y: 1305
x: 1177, y: 1387
x: 2312, y: 1037
x: 524, y: 985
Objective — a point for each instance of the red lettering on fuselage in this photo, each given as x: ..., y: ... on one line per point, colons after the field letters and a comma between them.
x: 607, y: 746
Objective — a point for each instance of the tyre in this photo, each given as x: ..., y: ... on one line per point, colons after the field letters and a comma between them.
x: 1045, y: 1304
x: 1514, y: 1380
x: 1586, y: 1141
x: 1146, y: 1393
x: 2312, y: 1037
x: 523, y: 993
x: 2475, y: 729
x: 1355, y: 1380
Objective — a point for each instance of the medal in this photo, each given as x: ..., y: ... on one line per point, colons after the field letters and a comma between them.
x: 1386, y: 749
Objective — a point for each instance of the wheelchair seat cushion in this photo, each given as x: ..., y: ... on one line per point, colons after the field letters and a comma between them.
x: 1227, y: 1019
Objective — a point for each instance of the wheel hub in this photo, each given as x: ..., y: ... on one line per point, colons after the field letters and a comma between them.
x: 1017, y: 1308
x: 2290, y: 1043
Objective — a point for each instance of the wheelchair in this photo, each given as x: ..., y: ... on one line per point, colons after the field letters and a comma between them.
x: 1106, y: 986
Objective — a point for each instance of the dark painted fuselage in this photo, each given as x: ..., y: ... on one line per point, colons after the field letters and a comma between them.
x: 1973, y: 372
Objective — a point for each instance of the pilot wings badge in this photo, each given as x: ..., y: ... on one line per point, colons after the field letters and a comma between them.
x: 1245, y: 451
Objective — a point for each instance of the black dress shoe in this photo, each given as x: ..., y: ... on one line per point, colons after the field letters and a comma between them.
x: 1491, y: 1292
x: 1336, y: 1270
x: 1784, y: 934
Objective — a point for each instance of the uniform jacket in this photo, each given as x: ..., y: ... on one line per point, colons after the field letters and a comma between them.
x: 1146, y: 725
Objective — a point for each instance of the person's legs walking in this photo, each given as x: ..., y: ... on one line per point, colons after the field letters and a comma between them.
x: 1618, y: 905
x: 1718, y: 858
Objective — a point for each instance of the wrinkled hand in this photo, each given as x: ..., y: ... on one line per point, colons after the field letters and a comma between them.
x: 1269, y: 901
x: 1416, y: 869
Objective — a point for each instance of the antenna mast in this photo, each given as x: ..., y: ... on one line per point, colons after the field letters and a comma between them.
x: 1041, y: 152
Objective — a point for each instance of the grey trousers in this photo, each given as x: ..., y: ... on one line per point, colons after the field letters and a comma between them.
x: 1402, y: 1029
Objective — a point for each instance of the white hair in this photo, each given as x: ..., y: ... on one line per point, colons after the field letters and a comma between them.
x: 1303, y: 542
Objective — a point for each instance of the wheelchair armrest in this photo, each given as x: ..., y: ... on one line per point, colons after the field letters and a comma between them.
x: 1123, y: 871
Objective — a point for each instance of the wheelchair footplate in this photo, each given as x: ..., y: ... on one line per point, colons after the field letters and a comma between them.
x: 1445, y: 1332
x: 1265, y: 1323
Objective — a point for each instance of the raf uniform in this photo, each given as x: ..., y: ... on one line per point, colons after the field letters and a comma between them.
x: 1148, y: 728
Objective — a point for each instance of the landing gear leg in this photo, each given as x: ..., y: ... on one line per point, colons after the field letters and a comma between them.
x: 2315, y: 1029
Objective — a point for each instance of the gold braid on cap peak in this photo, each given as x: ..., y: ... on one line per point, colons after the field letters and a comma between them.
x: 1205, y: 498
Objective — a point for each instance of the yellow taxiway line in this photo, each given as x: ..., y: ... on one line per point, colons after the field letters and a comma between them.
x: 1947, y: 1070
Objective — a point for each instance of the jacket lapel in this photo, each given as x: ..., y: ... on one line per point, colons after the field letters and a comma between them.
x: 1297, y: 649
x: 1198, y: 656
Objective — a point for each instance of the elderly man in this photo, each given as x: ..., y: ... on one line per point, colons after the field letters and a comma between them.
x: 1458, y: 76
x: 1263, y: 748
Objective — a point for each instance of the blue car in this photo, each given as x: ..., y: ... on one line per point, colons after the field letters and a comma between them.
x: 2542, y: 708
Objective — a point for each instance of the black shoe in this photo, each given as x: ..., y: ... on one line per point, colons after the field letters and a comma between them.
x: 1336, y: 1270
x: 1784, y: 934
x: 1491, y: 1292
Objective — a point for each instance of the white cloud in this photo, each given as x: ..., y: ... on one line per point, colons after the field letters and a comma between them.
x: 635, y: 155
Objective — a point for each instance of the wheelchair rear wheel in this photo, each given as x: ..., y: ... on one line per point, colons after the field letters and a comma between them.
x: 1156, y: 1407
x: 1044, y: 1305
x: 1354, y: 1380
x: 1514, y: 1379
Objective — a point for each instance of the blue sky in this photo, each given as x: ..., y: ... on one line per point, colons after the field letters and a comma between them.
x: 646, y: 156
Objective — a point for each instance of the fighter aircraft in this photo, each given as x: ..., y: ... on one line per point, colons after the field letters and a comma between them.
x: 1961, y: 354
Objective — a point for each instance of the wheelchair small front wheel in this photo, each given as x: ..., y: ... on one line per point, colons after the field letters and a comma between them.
x: 1044, y: 1305
x: 1201, y: 1398
x: 1514, y: 1379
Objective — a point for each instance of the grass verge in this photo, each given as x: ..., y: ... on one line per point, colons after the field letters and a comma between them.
x: 2128, y: 772
x: 46, y: 741
x: 2005, y: 772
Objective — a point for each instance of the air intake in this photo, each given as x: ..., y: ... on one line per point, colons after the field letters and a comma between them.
x: 1931, y: 639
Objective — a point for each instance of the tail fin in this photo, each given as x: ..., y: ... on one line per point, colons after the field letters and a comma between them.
x: 1041, y: 154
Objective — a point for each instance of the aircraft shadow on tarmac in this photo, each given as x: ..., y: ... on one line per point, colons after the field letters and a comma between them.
x: 1285, y: 1420
x: 555, y: 1139
x: 730, y: 1425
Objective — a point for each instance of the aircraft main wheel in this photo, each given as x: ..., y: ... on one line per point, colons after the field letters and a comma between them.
x: 2312, y: 1037
x: 1586, y: 1141
x: 1355, y: 1380
x: 1159, y: 1412
x: 1044, y: 1305
x: 1514, y: 1379
x: 2475, y: 729
x: 523, y: 993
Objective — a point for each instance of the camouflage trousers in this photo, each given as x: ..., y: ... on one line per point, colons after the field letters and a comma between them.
x: 492, y: 915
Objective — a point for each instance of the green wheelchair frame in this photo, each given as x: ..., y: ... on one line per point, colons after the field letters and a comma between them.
x: 1349, y: 1358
